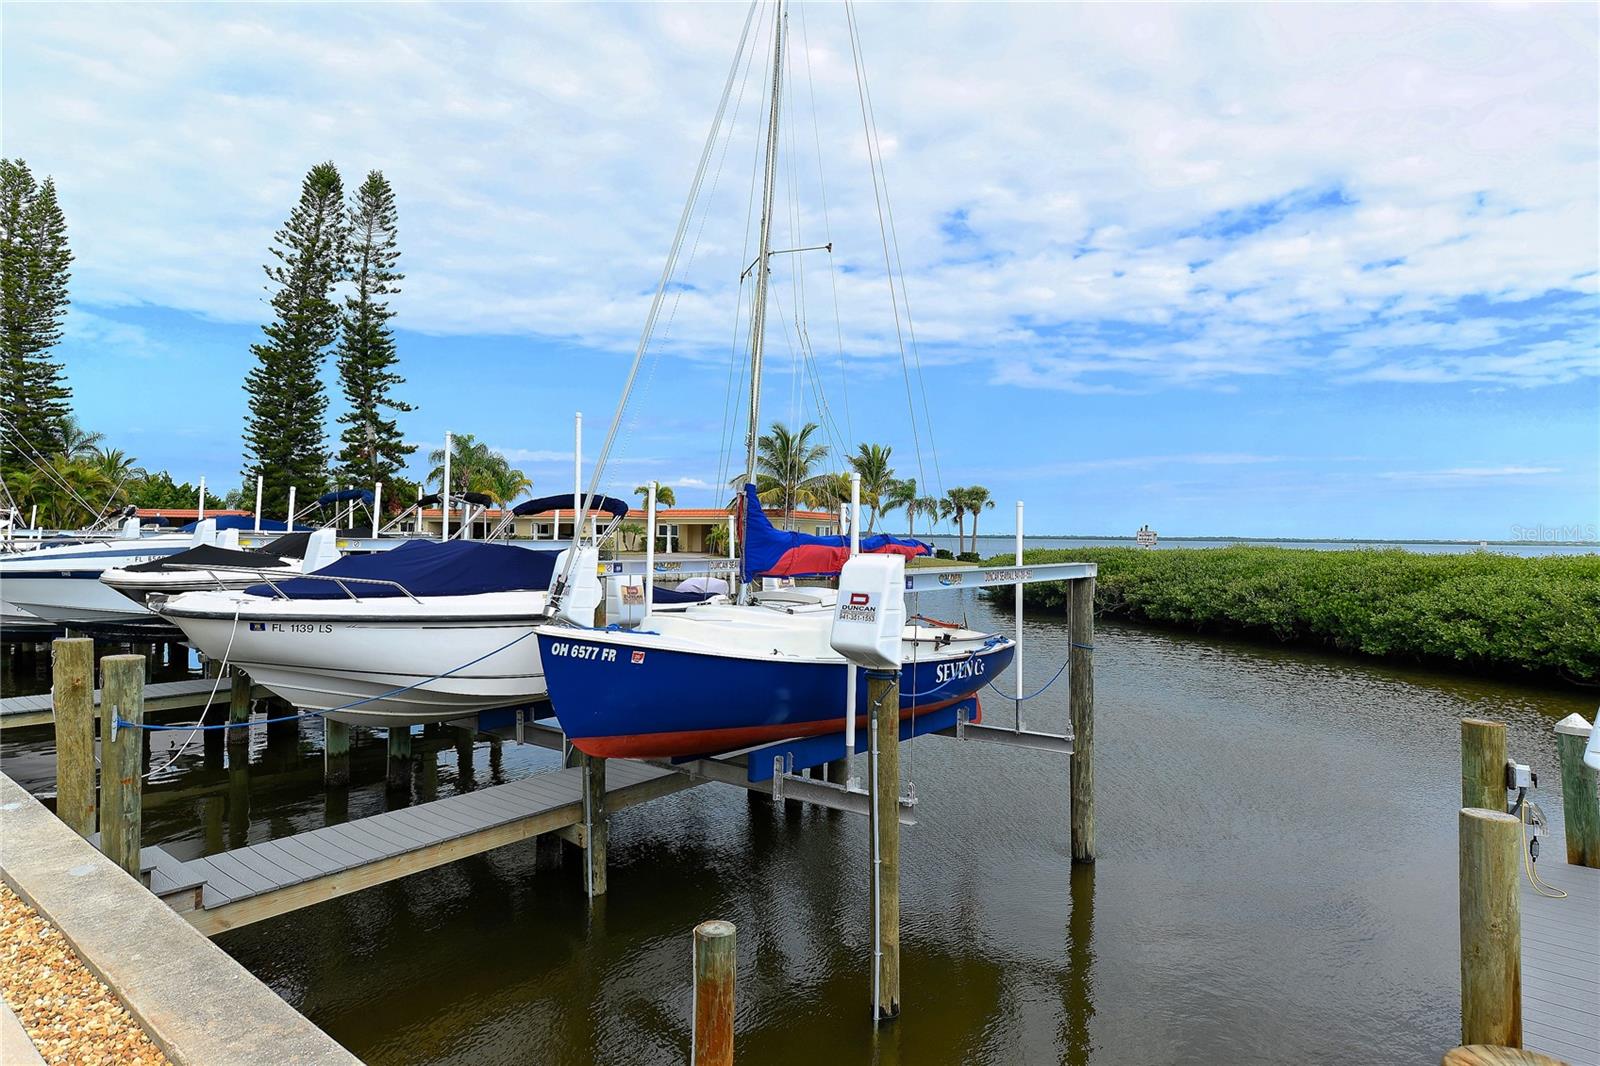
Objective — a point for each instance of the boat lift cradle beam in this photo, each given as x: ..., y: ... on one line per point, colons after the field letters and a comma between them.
x: 730, y: 769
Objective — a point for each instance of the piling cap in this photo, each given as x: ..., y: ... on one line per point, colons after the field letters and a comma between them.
x: 714, y: 928
x: 1574, y: 725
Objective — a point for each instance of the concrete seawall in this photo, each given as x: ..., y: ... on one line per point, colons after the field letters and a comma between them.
x: 199, y: 1006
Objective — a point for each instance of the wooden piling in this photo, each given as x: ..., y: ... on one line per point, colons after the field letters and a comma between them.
x: 714, y: 965
x: 72, y: 693
x: 121, y: 813
x: 335, y: 753
x: 1491, y: 928
x: 399, y: 775
x: 1483, y: 765
x: 883, y: 697
x: 1580, y: 791
x: 1080, y: 709
x: 239, y: 714
x: 465, y: 738
x: 596, y: 832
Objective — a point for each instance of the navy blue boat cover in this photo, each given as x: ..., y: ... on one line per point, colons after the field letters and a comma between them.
x: 772, y: 552
x: 427, y: 568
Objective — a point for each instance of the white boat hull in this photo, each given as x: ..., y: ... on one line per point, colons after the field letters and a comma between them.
x: 415, y: 662
x: 61, y: 584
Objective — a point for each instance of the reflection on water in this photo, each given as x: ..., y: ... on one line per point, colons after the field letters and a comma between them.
x: 1276, y: 879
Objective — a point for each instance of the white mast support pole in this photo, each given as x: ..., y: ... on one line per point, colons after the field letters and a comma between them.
x: 850, y: 680
x: 1017, y: 672
x: 577, y: 479
x: 377, y: 507
x: 291, y: 509
x: 33, y: 520
x: 260, y: 484
x: 200, y: 512
x: 444, y: 530
x: 650, y: 550
x: 418, y: 521
x: 733, y: 534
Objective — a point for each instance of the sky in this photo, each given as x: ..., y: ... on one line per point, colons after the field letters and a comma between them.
x: 1253, y: 270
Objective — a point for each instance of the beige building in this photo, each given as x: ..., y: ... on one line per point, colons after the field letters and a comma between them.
x: 678, y: 529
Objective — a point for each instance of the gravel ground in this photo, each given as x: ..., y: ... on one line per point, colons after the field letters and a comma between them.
x: 70, y: 1015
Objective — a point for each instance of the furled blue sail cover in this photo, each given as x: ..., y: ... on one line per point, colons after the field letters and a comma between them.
x: 246, y: 523
x: 772, y: 552
x: 427, y: 568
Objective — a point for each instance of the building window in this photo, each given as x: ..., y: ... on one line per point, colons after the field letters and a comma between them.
x: 667, y: 535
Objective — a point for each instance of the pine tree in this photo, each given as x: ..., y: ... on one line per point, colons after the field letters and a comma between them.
x: 374, y: 449
x: 35, y: 266
x: 284, y: 439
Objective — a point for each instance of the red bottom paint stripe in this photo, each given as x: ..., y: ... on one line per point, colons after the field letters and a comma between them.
x: 698, y: 741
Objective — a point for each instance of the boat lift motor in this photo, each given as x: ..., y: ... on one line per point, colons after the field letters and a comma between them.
x: 869, y: 619
x: 322, y: 549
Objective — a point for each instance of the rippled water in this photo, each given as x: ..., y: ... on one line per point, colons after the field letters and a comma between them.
x: 1276, y: 883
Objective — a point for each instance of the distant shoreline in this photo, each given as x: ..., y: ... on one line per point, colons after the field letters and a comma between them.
x: 1595, y: 544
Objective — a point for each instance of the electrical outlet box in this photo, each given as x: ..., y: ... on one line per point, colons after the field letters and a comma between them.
x: 1518, y: 775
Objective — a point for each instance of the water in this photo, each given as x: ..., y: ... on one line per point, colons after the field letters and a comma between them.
x: 999, y: 544
x: 1276, y: 883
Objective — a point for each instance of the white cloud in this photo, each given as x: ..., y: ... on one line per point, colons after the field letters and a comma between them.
x: 540, y: 155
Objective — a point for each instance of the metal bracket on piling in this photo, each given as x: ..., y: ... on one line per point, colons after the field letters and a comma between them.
x: 116, y: 718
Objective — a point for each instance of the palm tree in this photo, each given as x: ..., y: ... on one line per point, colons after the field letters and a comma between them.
x: 929, y: 505
x: 904, y: 494
x: 664, y: 495
x: 117, y: 465
x: 468, y: 459
x: 977, y: 501
x: 77, y: 442
x: 830, y: 491
x: 503, y: 481
x: 784, y: 461
x: 954, y: 505
x: 871, y: 461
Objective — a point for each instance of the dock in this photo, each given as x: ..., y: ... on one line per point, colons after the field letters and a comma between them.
x: 234, y: 888
x: 161, y: 698
x: 1561, y: 962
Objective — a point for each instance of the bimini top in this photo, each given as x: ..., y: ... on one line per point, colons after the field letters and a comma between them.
x: 772, y: 552
x: 609, y: 504
x: 424, y: 568
x: 345, y: 495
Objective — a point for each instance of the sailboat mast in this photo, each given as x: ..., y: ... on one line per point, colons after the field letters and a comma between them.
x: 758, y: 315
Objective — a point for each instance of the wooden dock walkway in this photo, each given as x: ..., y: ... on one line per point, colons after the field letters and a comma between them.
x: 163, y: 697
x: 249, y: 884
x: 1561, y: 961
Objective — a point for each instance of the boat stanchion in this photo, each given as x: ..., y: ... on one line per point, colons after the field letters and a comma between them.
x: 121, y: 750
x: 883, y: 698
x: 715, y: 957
x: 72, y: 694
x: 1080, y: 681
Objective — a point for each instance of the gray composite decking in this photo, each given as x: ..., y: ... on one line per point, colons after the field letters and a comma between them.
x: 1561, y: 961
x: 262, y: 880
x: 161, y: 697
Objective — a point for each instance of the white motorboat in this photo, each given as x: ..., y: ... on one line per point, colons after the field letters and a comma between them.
x: 60, y: 583
x: 428, y: 631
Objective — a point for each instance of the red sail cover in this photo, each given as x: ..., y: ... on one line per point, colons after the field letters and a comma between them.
x: 772, y: 552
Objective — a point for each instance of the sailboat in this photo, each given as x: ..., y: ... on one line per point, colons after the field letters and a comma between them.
x: 719, y: 677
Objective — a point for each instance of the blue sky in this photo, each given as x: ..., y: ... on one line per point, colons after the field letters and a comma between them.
x: 1250, y: 270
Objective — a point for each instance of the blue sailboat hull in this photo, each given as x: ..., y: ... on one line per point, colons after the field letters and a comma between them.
x: 635, y: 701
